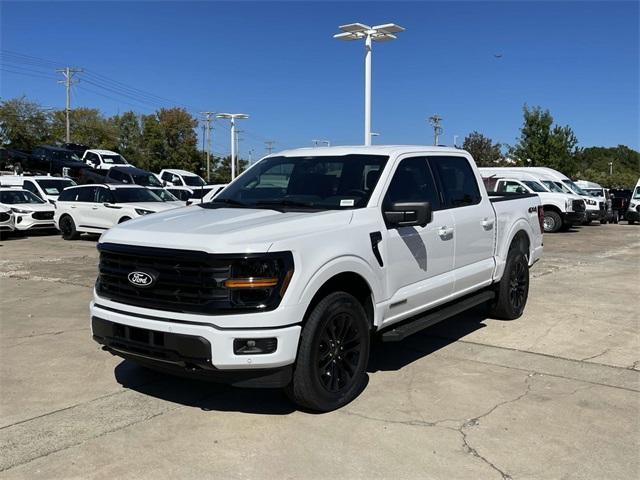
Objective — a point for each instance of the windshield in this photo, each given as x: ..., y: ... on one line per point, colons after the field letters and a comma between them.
x: 535, y: 186
x: 553, y: 187
x: 193, y: 181
x: 64, y: 155
x: 55, y: 186
x: 594, y: 192
x: 147, y: 180
x: 575, y: 188
x: 165, y: 195
x: 319, y: 183
x: 15, y: 197
x: 134, y: 195
x: 113, y: 159
x: 636, y: 194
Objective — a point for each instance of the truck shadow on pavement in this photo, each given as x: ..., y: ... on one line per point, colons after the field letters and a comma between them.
x: 209, y: 396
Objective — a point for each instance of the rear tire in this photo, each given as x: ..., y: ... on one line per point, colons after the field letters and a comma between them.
x: 513, y: 290
x: 552, y: 221
x: 68, y: 228
x: 330, y: 370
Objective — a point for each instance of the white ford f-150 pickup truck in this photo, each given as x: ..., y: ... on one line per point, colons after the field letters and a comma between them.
x: 284, y: 277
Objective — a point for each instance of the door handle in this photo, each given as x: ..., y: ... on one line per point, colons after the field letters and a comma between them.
x: 487, y: 224
x: 445, y: 233
x: 73, y: 206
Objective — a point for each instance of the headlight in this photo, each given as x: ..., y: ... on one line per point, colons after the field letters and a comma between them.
x: 20, y: 210
x: 142, y: 211
x: 568, y: 204
x: 259, y: 281
x: 591, y: 202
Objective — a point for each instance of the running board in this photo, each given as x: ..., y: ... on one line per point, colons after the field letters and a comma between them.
x: 395, y: 334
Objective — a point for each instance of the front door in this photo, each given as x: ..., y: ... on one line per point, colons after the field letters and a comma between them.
x: 419, y: 260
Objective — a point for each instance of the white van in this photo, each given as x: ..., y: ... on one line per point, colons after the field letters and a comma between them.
x: 596, y: 207
x: 632, y: 214
x: 561, y: 210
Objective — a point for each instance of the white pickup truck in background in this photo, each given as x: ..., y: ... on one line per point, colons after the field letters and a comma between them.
x: 281, y: 280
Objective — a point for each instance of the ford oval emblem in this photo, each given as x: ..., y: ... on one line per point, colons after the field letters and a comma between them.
x: 141, y: 279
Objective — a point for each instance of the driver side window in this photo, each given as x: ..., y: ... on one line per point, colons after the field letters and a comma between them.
x: 412, y: 182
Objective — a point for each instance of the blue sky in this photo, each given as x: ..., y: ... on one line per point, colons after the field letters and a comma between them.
x: 277, y: 61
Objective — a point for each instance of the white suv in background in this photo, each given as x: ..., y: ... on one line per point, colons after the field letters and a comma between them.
x: 104, y: 159
x: 30, y: 212
x: 96, y: 208
x: 43, y: 186
x: 173, y: 177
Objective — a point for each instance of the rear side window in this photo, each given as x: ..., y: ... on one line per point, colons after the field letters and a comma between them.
x: 459, y: 185
x: 69, y: 195
x: 412, y: 182
x: 86, y: 194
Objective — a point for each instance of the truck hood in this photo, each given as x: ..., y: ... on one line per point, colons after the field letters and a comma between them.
x: 223, y: 230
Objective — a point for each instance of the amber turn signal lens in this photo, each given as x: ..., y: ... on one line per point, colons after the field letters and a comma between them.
x: 251, y: 282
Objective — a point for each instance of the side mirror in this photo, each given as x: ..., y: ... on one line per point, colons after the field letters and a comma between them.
x: 407, y: 214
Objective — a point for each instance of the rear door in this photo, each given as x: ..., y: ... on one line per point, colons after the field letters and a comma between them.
x: 419, y: 260
x: 474, y: 221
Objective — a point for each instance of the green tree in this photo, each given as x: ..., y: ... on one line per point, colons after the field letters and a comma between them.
x: 129, y: 137
x: 23, y: 124
x: 593, y: 165
x: 482, y: 149
x: 87, y: 126
x: 543, y: 144
x: 221, y: 173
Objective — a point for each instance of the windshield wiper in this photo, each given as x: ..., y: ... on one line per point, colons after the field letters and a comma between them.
x: 286, y: 203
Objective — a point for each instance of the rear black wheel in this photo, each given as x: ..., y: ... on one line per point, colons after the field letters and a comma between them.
x: 330, y: 369
x: 513, y: 290
x: 68, y: 228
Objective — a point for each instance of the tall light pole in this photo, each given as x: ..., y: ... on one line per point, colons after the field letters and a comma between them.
x: 377, y: 33
x: 455, y: 141
x: 233, y: 117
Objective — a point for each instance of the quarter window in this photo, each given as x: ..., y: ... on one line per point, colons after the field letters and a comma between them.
x: 413, y: 182
x: 104, y: 196
x: 459, y: 185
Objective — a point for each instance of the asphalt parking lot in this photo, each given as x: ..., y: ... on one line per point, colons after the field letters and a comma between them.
x: 554, y: 394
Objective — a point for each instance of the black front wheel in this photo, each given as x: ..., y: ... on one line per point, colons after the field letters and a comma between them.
x: 330, y: 370
x: 513, y: 290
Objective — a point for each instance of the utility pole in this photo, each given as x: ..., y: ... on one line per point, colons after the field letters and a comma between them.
x: 434, y: 120
x: 269, y: 146
x: 250, y: 156
x: 455, y: 141
x: 68, y: 73
x: 610, y: 168
x: 207, y: 126
x: 238, y: 140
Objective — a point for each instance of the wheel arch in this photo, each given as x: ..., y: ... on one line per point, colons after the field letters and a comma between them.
x: 521, y: 236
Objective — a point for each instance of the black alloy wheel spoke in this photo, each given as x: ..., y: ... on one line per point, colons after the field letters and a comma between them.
x: 338, y: 353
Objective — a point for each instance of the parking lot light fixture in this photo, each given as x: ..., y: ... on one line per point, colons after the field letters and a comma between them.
x: 378, y: 33
x: 233, y: 117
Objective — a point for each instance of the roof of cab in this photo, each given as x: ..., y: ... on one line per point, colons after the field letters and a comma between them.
x: 177, y: 171
x: 110, y: 186
x: 386, y: 150
x: 101, y: 152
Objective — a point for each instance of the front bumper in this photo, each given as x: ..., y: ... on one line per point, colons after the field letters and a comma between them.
x: 24, y: 221
x: 632, y: 215
x: 595, y: 214
x: 218, y: 363
x: 574, y: 218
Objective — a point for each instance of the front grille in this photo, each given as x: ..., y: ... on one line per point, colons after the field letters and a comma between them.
x: 579, y: 206
x: 184, y: 281
x: 4, y: 216
x: 42, y: 215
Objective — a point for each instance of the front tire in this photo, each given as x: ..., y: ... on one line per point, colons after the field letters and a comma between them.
x: 552, y: 221
x: 330, y: 370
x: 68, y: 228
x: 513, y: 290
